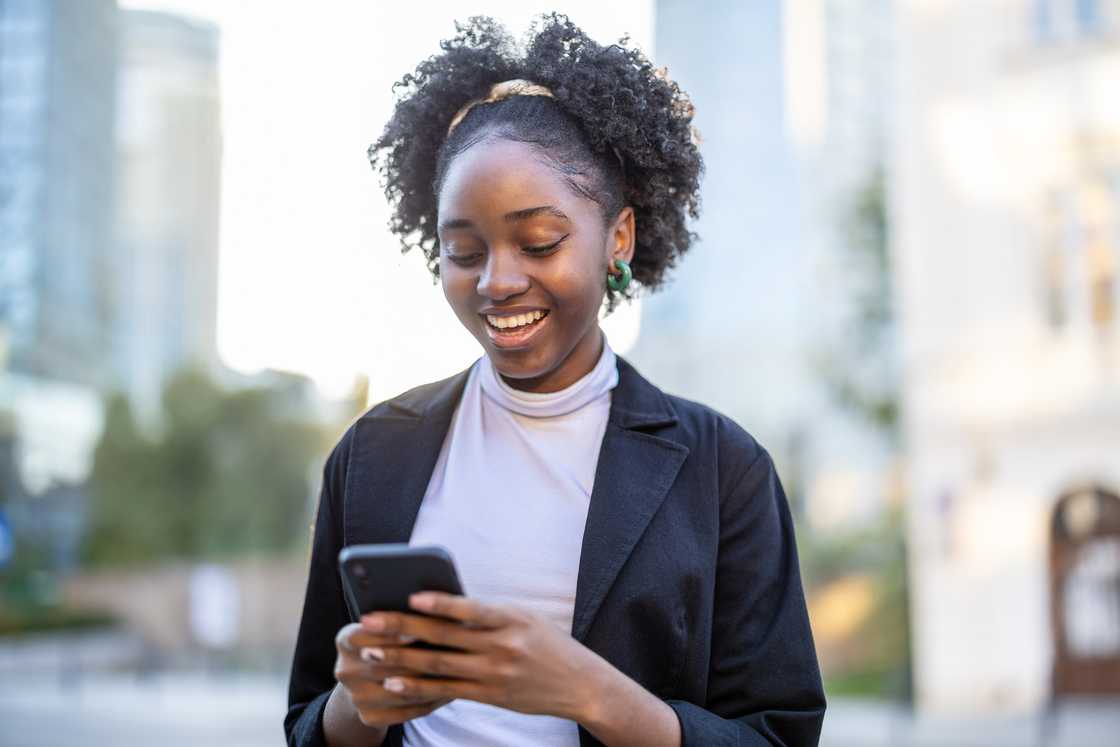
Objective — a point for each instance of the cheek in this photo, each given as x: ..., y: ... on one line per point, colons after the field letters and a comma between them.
x: 457, y: 283
x: 580, y: 288
x: 579, y: 278
x: 445, y: 281
x: 458, y: 291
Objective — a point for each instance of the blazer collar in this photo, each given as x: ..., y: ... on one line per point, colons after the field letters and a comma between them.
x: 396, y: 447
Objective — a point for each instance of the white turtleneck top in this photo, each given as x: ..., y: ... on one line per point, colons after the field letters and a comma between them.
x: 508, y: 498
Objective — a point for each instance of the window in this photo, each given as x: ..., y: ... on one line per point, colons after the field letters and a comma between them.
x: 1100, y: 250
x: 1081, y: 253
x: 1071, y: 20
x: 1062, y: 236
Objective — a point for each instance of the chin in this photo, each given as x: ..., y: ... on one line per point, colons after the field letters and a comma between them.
x: 518, y: 364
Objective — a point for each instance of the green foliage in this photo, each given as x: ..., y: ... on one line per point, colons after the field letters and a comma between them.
x: 879, y: 553
x: 860, y: 368
x: 44, y: 618
x: 860, y: 371
x: 864, y: 683
x: 829, y: 557
x: 125, y: 522
x: 29, y: 596
x: 227, y: 475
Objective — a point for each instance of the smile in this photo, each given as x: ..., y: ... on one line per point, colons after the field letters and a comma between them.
x: 514, y: 331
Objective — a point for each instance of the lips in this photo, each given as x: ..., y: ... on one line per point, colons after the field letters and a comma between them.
x: 516, y: 337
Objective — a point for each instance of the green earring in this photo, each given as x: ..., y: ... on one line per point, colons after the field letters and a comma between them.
x: 613, y: 282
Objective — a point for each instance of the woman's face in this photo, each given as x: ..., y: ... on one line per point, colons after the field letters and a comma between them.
x: 518, y: 244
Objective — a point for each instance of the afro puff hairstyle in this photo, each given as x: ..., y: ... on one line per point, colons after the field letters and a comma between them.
x: 617, y: 128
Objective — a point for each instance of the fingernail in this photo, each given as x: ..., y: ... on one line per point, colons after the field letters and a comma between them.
x: 420, y: 601
x: 374, y: 622
x: 371, y: 653
x: 403, y: 638
x: 394, y: 684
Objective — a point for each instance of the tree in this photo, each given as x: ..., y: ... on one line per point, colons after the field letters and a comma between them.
x: 227, y: 475
x: 861, y: 373
x: 125, y: 476
x: 860, y: 370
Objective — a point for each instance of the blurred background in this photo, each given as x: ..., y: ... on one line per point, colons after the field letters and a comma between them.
x: 910, y: 243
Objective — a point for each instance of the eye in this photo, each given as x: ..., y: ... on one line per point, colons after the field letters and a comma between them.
x: 463, y: 259
x: 545, y: 249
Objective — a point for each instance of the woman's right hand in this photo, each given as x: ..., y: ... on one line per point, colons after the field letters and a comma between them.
x: 362, y: 679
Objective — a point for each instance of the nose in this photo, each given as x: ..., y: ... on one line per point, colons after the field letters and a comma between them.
x: 502, y: 276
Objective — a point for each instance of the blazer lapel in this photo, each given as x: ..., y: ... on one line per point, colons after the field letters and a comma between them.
x: 396, y: 446
x: 395, y: 449
x: 634, y: 473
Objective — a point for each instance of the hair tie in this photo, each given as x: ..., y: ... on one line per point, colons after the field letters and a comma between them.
x: 516, y: 87
x: 499, y: 91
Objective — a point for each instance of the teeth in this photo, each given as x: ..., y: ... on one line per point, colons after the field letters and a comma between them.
x: 509, y: 322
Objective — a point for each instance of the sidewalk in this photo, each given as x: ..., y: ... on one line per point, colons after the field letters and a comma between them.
x: 187, y: 710
x: 865, y: 723
x: 169, y: 710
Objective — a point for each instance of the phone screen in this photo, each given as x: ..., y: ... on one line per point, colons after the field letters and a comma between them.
x: 383, y: 576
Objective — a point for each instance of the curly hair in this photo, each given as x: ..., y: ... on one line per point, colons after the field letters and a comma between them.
x: 617, y: 128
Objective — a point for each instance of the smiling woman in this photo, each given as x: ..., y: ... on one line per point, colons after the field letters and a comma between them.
x: 517, y: 240
x: 627, y: 556
x: 589, y: 150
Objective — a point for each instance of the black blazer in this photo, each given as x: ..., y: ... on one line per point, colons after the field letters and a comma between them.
x: 688, y: 578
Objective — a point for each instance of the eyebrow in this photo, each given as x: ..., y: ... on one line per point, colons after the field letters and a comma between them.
x: 513, y: 217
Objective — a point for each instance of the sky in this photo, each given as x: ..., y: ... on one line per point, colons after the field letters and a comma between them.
x: 310, y: 279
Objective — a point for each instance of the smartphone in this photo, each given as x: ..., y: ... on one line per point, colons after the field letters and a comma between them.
x: 383, y: 576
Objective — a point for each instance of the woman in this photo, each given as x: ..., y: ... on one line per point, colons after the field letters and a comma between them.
x: 628, y: 557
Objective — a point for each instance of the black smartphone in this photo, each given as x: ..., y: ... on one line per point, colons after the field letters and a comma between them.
x: 382, y: 576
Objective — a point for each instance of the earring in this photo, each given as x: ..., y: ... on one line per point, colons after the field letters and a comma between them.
x: 615, y: 284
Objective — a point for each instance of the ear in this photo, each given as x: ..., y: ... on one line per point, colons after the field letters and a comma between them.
x: 620, y: 237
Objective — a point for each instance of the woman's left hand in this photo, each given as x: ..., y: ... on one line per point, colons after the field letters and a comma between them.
x: 511, y: 657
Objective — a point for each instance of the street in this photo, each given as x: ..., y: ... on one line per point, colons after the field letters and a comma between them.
x: 198, y: 710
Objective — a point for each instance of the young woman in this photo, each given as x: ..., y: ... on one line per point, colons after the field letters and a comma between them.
x: 628, y: 557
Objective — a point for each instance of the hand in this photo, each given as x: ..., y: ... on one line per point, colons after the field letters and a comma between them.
x: 509, y: 656
x: 361, y: 677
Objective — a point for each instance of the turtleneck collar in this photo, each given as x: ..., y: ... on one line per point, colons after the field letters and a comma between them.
x: 596, y: 382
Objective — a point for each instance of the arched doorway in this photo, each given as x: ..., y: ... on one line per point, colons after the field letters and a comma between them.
x: 1085, y: 592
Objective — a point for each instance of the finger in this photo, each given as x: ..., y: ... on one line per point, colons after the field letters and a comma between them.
x: 459, y: 607
x: 439, y: 688
x: 427, y: 628
x: 374, y: 695
x: 388, y: 699
x: 363, y: 671
x: 376, y: 666
x: 371, y: 693
x: 352, y: 637
x: 397, y: 714
x: 443, y: 663
x: 364, y: 638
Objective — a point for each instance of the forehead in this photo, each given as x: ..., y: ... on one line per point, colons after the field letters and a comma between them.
x: 498, y: 176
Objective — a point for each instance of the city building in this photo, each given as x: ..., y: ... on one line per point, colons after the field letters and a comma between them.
x: 837, y: 57
x: 57, y: 162
x: 169, y: 187
x: 790, y: 104
x: 1005, y: 203
x: 728, y: 326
